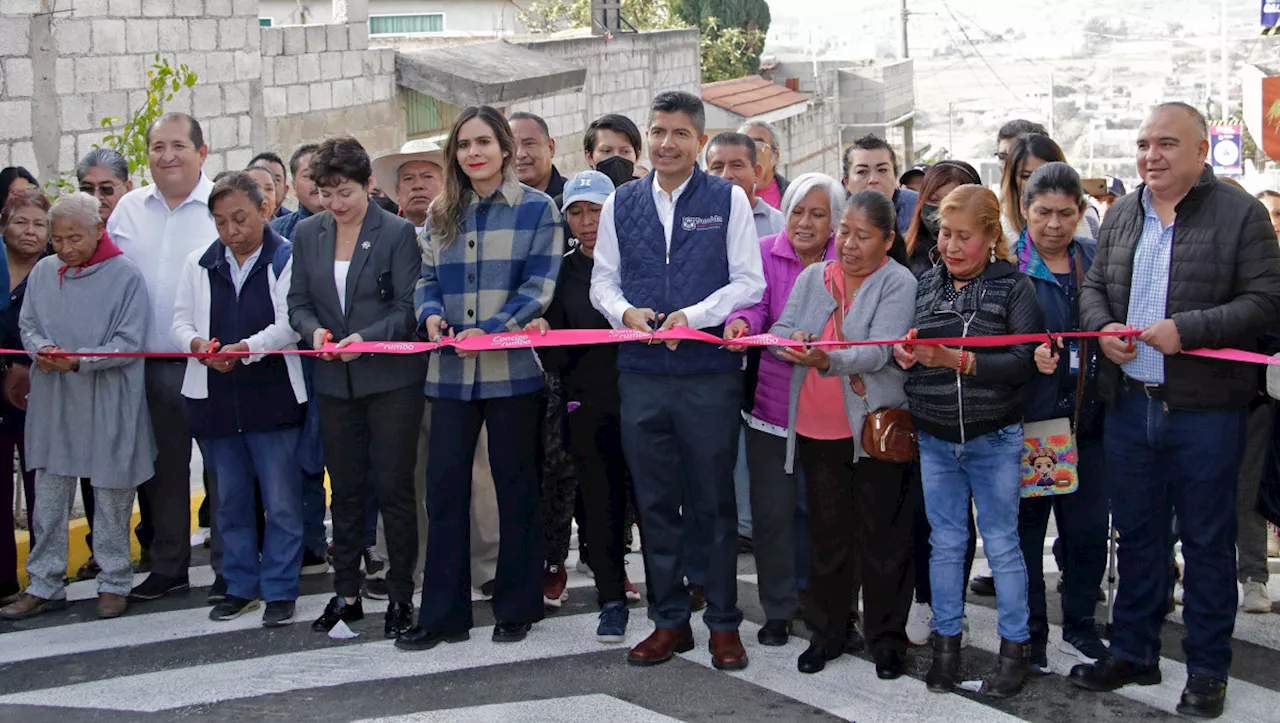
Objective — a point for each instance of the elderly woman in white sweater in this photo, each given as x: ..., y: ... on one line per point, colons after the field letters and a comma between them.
x: 858, y: 505
x: 246, y: 411
x: 86, y: 414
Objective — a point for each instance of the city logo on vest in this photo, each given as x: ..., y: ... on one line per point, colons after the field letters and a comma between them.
x: 700, y: 223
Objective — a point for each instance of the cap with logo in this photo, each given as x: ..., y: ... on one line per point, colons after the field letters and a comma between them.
x: 917, y: 170
x: 592, y: 186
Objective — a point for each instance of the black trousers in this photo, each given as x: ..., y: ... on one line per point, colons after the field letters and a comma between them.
x: 513, y: 424
x: 864, y: 512
x: 168, y: 493
x: 595, y: 439
x: 373, y: 439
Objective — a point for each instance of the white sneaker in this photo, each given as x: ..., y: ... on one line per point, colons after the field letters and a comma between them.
x: 964, y: 632
x: 1256, y: 599
x: 918, y: 621
x: 582, y: 568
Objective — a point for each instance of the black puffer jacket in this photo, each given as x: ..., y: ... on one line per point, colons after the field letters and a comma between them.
x: 956, y: 407
x: 1224, y: 290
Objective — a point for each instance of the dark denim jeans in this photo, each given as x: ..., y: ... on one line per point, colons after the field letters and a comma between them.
x: 237, y: 460
x: 1082, y: 528
x: 1160, y: 463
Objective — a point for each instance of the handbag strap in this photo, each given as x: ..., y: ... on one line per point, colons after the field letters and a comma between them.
x: 1083, y: 353
x: 855, y: 380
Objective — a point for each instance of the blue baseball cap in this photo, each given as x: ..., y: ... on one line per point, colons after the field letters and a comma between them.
x: 591, y: 186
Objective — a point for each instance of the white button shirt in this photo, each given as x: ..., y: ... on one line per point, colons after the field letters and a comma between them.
x: 159, y: 240
x: 746, y: 270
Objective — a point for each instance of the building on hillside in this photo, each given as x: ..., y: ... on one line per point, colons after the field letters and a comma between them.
x: 808, y: 136
x: 273, y: 88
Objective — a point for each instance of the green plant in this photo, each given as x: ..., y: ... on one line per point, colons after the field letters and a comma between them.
x: 730, y: 52
x: 163, y: 82
x: 549, y: 16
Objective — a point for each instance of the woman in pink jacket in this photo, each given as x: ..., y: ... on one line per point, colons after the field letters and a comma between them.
x: 811, y: 206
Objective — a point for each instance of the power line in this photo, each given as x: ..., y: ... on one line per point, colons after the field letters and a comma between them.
x: 977, y: 52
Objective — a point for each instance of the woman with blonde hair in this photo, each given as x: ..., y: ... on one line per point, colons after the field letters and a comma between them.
x: 490, y: 266
x: 967, y: 408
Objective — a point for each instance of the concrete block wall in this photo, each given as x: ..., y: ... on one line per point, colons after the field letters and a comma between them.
x: 320, y: 80
x: 623, y: 76
x: 811, y: 141
x: 67, y: 64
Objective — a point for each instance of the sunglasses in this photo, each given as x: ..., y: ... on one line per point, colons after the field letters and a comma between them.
x: 106, y: 190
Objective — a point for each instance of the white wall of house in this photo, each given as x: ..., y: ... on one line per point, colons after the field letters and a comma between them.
x: 462, y: 18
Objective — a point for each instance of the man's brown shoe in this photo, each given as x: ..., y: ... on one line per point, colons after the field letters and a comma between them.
x: 111, y: 605
x: 727, y: 652
x: 29, y: 605
x: 697, y: 598
x: 661, y: 645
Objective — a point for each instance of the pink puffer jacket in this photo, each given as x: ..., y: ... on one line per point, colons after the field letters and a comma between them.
x: 781, y: 269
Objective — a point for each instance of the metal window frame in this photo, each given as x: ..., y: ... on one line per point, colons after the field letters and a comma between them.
x: 441, y: 15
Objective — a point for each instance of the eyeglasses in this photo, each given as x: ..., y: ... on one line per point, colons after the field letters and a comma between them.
x: 762, y: 146
x: 106, y: 190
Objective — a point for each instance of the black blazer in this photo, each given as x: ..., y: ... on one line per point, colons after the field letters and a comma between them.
x: 385, y: 267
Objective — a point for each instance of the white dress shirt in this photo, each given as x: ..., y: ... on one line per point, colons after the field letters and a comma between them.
x: 158, y: 240
x: 746, y: 271
x: 238, y: 275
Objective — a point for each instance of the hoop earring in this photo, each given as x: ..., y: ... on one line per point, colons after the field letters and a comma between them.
x: 993, y: 253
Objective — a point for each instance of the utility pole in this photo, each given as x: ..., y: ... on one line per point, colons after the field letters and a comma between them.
x: 1051, y: 113
x: 1225, y: 63
x: 902, y: 23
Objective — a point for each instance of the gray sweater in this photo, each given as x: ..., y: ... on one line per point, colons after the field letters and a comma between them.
x: 92, y: 422
x: 882, y: 309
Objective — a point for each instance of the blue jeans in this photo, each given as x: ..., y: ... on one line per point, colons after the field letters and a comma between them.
x: 313, y: 507
x: 1161, y: 463
x: 988, y: 469
x: 236, y: 461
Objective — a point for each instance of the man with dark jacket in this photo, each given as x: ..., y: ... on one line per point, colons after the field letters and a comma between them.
x: 1175, y: 426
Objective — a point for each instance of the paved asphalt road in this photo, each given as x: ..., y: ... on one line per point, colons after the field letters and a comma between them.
x: 167, y: 661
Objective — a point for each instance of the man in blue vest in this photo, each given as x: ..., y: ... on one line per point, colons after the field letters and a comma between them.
x: 679, y: 248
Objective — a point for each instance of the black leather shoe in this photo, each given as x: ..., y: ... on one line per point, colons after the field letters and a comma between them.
x: 854, y: 642
x: 415, y: 638
x: 398, y: 620
x: 983, y: 585
x: 157, y: 586
x: 889, y: 665
x: 1038, y: 658
x: 1011, y: 670
x: 1111, y: 673
x: 814, y: 659
x: 338, y: 610
x: 510, y: 632
x: 1203, y: 697
x: 944, y: 673
x: 775, y: 633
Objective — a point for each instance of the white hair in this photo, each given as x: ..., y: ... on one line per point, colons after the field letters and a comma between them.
x: 801, y: 187
x: 767, y: 128
x: 79, y: 208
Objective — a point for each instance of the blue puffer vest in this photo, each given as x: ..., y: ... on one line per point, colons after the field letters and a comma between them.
x: 254, y: 397
x: 698, y: 265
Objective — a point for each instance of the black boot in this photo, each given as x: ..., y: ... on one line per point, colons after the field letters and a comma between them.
x: 1203, y: 697
x: 399, y: 619
x: 945, y: 671
x: 1011, y: 670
